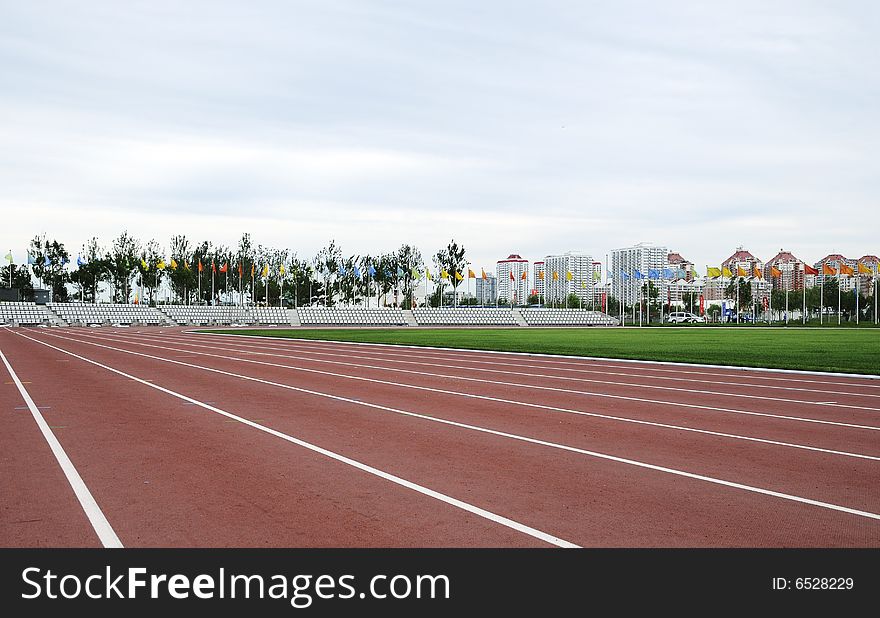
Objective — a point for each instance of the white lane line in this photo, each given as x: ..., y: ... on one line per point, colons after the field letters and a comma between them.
x: 553, y: 359
x: 93, y: 512
x: 554, y: 445
x: 470, y: 508
x: 517, y: 385
x: 372, y: 355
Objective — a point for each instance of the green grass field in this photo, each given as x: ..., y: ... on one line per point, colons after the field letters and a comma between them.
x: 850, y: 350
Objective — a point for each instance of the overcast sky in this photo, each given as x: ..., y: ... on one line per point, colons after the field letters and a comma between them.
x: 513, y: 127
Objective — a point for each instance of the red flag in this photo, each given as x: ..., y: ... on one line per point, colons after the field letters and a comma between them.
x: 200, y: 265
x: 828, y: 270
x: 240, y: 270
x: 524, y: 275
x: 213, y: 266
x: 224, y: 268
x: 809, y: 270
x: 511, y: 276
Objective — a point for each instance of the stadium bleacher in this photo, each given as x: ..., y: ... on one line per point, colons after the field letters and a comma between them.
x: 464, y: 316
x: 351, y: 316
x: 202, y: 315
x: 21, y: 313
x: 566, y: 317
x: 86, y: 314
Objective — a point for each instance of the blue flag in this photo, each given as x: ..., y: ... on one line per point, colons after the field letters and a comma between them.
x: 399, y: 271
x: 371, y: 271
x: 79, y: 261
x: 624, y: 276
x: 388, y: 273
x: 341, y: 270
x: 357, y: 272
x: 668, y: 273
x: 653, y: 273
x: 638, y: 274
x: 46, y: 261
x: 31, y: 259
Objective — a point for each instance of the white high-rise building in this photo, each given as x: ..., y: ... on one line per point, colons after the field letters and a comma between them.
x: 642, y: 257
x: 580, y: 283
x: 515, y: 290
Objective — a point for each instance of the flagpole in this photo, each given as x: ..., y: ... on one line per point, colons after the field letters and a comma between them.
x: 838, y: 296
x: 821, y: 298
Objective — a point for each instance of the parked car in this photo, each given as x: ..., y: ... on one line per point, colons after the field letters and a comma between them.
x: 682, y: 317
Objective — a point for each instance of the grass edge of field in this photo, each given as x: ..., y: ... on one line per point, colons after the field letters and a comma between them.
x: 381, y: 336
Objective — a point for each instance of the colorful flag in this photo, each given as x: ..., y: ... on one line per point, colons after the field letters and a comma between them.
x: 200, y: 265
x: 775, y: 272
x: 597, y: 275
x: 415, y: 273
x: 341, y: 271
x: 511, y: 276
x: 757, y: 272
x: 638, y: 274
x: 79, y: 261
x: 458, y: 276
x: 653, y: 273
x: 741, y: 272
x: 584, y: 284
x: 186, y: 265
x: 524, y: 275
x: 225, y: 267
x: 568, y: 275
x: 265, y: 272
x: 173, y: 264
x: 9, y: 257
x: 444, y: 274
x: 725, y: 272
x: 668, y: 273
x: 357, y: 272
x: 483, y: 275
x: 865, y: 270
x: 371, y: 270
x: 555, y: 276
x: 471, y: 274
x: 809, y: 270
x: 253, y: 270
x: 160, y: 265
x: 846, y: 269
x: 828, y: 270
x: 46, y: 261
x: 541, y: 275
x: 624, y: 276
x: 281, y: 270
x: 31, y: 259
x: 428, y: 274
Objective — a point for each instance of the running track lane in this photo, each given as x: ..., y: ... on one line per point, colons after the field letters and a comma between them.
x: 759, y: 464
x: 611, y: 496
x: 168, y: 474
x: 785, y: 425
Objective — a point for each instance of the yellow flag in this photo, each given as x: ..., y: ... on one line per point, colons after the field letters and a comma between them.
x: 144, y: 265
x: 444, y: 274
x: 711, y: 271
x: 471, y: 274
x: 569, y: 276
x: 281, y: 270
x: 265, y: 272
x: 458, y: 276
x: 173, y: 264
x: 160, y: 264
x: 555, y: 276
x: 725, y: 272
x: 428, y: 274
x: 864, y: 270
x: 741, y: 272
x: 541, y: 275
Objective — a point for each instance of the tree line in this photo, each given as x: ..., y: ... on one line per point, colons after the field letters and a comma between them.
x: 205, y: 273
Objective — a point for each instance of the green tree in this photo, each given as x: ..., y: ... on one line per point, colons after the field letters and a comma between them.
x: 21, y: 280
x: 326, y: 265
x: 50, y: 258
x: 181, y: 278
x: 451, y: 259
x: 94, y: 269
x: 122, y: 260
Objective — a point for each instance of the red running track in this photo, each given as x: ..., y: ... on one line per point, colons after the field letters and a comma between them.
x: 201, y: 440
